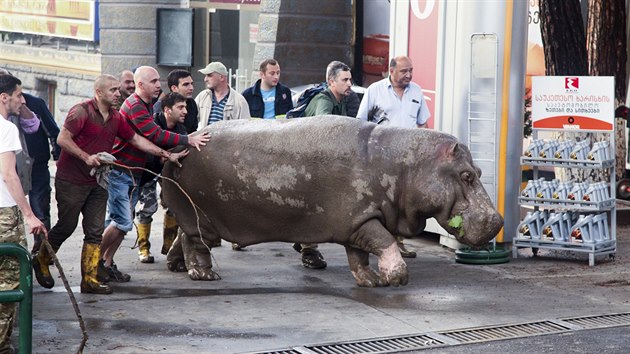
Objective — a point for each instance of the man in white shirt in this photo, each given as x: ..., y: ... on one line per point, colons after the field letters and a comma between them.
x: 14, y: 208
x: 397, y: 102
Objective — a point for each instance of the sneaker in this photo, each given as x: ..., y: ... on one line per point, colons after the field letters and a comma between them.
x: 404, y: 252
x: 116, y: 275
x: 312, y: 258
x: 102, y: 274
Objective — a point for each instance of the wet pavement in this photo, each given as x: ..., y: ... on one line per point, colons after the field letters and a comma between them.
x: 266, y: 300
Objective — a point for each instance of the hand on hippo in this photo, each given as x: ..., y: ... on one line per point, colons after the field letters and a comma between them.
x: 175, y: 156
x: 198, y: 140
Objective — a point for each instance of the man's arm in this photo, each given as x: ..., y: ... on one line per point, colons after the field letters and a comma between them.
x: 12, y: 181
x: 147, y: 146
x: 145, y: 124
x: 67, y: 143
x: 364, y: 107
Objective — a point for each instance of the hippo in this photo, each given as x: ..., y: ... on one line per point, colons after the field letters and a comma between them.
x: 327, y: 179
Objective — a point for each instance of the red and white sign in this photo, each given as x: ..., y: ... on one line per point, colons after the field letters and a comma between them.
x: 573, y: 103
x: 423, y: 48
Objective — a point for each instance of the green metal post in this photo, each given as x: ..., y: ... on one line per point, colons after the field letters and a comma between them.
x: 23, y: 295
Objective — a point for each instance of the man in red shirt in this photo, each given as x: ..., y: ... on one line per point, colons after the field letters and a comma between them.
x: 90, y: 128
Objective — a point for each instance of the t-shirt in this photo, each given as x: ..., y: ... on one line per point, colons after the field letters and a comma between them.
x: 92, y: 134
x: 9, y: 142
x: 216, y: 112
x: 269, y: 99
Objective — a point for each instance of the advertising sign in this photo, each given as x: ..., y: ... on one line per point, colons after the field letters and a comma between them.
x: 573, y: 102
x: 75, y: 19
x: 423, y: 48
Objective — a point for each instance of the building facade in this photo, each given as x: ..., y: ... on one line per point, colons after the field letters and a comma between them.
x: 58, y: 47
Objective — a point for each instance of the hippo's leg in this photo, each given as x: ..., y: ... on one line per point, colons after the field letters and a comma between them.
x: 374, y: 238
x: 175, y: 257
x: 198, y: 258
x: 359, y: 262
x: 392, y: 266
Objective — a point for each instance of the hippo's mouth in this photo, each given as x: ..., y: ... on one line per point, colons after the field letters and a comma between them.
x: 456, y: 226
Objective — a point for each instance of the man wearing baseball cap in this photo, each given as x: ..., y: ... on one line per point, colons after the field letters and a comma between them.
x: 219, y: 101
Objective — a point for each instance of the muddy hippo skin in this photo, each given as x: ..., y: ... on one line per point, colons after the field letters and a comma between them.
x: 329, y: 179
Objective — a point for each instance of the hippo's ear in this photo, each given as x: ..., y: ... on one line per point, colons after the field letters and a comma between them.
x: 453, y: 150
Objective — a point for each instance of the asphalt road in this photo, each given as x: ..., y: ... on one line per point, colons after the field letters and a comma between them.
x: 266, y: 300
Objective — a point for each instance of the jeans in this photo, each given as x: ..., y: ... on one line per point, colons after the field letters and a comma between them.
x: 123, y: 196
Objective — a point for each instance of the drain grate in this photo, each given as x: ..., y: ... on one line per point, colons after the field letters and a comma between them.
x: 504, y: 332
x: 387, y: 345
x: 459, y: 336
x: 619, y: 319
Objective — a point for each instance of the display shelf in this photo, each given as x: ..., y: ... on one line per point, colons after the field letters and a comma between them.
x: 567, y: 204
x: 570, y: 163
x: 602, y: 241
x: 598, y: 248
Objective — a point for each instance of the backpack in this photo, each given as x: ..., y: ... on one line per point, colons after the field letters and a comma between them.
x: 304, y: 100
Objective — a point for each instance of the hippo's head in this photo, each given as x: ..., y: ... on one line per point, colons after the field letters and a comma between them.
x: 456, y: 197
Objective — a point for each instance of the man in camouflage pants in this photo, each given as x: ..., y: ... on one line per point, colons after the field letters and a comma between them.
x: 14, y: 208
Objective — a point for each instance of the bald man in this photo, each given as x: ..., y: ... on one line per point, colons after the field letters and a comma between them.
x: 123, y: 196
x: 90, y: 127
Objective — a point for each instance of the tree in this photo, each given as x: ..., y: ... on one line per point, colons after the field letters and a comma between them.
x: 564, y: 41
x: 598, y: 50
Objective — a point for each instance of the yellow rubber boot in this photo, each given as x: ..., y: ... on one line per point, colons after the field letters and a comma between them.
x: 144, y: 245
x: 41, y: 268
x: 90, y: 255
x: 170, y: 232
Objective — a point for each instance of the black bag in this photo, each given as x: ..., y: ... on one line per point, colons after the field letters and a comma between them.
x: 304, y: 100
x: 23, y: 161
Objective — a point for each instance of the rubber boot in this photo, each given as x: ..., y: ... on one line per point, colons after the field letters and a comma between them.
x: 170, y: 232
x: 144, y: 245
x: 90, y: 256
x: 41, y: 268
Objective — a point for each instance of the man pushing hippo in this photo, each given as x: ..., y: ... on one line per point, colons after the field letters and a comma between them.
x: 327, y: 179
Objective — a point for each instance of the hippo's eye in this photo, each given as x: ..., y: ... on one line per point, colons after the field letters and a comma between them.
x: 468, y: 177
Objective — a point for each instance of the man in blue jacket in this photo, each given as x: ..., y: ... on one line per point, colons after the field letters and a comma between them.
x: 268, y: 98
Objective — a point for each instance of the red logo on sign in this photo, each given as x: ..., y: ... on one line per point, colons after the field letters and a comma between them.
x: 571, y: 83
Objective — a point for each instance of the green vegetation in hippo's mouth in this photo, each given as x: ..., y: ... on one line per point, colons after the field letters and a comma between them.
x: 457, y: 222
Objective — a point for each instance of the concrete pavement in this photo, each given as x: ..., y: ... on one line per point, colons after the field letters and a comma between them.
x: 267, y: 300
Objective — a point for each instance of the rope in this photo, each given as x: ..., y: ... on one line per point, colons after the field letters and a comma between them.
x: 195, y: 207
x: 107, y: 160
x: 73, y: 300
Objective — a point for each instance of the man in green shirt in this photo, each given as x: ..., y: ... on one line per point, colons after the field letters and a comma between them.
x: 333, y: 100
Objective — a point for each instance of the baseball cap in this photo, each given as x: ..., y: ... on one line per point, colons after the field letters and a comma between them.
x: 214, y: 67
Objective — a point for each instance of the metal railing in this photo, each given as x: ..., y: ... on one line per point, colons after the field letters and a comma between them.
x: 23, y: 294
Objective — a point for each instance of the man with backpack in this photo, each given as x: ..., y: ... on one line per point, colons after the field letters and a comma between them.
x: 330, y: 100
x: 333, y: 100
